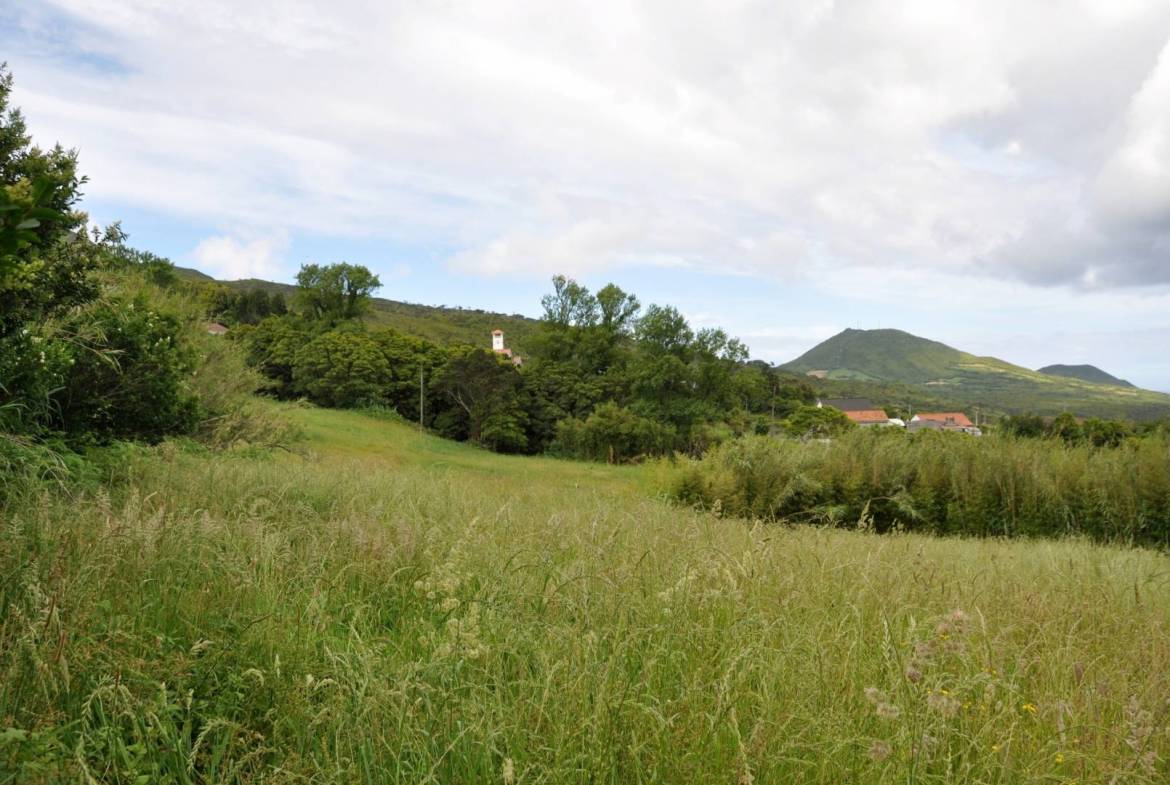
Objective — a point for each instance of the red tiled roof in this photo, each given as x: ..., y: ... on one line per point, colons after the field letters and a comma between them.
x: 948, y: 418
x: 865, y: 416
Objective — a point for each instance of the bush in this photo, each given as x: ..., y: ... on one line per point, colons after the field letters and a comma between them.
x: 128, y: 374
x: 613, y: 434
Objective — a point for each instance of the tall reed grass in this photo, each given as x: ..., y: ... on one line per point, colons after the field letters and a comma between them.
x: 943, y: 484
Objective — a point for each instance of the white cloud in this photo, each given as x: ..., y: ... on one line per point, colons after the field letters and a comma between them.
x: 780, y: 140
x: 231, y: 258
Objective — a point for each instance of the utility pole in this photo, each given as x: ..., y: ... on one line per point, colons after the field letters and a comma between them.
x: 422, y: 401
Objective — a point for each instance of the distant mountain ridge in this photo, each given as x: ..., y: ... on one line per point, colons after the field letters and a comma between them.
x: 438, y: 323
x: 1086, y: 373
x: 895, y: 356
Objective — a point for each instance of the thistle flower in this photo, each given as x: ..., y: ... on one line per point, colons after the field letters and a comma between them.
x: 879, y: 751
x: 944, y: 704
x: 888, y: 711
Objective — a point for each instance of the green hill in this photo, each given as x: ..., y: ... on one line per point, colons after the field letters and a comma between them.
x: 869, y: 361
x: 1086, y: 373
x: 440, y: 324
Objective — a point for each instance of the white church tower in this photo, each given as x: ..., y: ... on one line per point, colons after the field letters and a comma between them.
x: 498, y: 341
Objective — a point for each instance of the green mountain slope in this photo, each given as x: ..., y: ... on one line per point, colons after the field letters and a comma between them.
x: 440, y: 324
x: 1086, y: 373
x: 871, y: 360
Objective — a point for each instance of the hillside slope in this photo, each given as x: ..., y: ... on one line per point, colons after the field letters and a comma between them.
x: 864, y: 358
x: 440, y: 324
x: 1086, y: 373
x: 379, y: 606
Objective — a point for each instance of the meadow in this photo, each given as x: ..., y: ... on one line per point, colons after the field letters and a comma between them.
x: 377, y: 605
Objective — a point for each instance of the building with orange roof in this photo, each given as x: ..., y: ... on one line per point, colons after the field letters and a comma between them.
x: 951, y: 419
x: 868, y: 417
x: 944, y: 421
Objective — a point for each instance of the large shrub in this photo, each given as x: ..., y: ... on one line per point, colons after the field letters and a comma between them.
x: 129, y: 371
x: 614, y: 434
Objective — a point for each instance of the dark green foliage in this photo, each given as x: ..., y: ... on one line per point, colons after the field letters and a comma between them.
x: 250, y: 306
x: 343, y: 369
x: 555, y: 391
x: 1028, y: 425
x: 127, y: 373
x: 91, y: 347
x: 1066, y: 427
x: 335, y: 292
x: 944, y: 483
x: 272, y: 347
x: 810, y: 422
x: 613, y: 434
x: 346, y: 366
x: 484, y: 389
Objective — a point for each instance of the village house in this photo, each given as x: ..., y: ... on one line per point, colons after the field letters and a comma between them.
x: 499, y: 348
x: 215, y: 328
x: 858, y: 410
x: 943, y: 421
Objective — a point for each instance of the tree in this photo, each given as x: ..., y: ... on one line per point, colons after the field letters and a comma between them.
x: 1065, y: 427
x: 1105, y: 433
x: 1026, y: 425
x: 342, y: 368
x: 619, y: 311
x: 43, y: 271
x: 484, y: 389
x: 272, y: 349
x: 663, y: 330
x: 335, y: 292
x: 811, y: 422
x: 570, y: 304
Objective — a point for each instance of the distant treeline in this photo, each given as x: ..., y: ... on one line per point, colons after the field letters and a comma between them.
x: 944, y: 483
x: 604, y: 378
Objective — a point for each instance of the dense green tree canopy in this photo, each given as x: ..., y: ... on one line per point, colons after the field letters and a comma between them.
x: 335, y: 292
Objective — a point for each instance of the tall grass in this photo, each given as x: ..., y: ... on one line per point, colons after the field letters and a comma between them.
x: 223, y: 617
x: 944, y: 484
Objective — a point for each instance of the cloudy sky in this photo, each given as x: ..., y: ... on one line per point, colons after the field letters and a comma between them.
x: 995, y: 175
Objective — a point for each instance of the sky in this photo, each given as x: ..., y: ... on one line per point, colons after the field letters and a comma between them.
x: 994, y: 175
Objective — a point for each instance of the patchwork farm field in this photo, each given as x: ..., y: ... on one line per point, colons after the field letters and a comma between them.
x: 380, y: 606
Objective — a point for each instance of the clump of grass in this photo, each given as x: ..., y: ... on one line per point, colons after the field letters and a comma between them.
x: 942, y: 484
x: 227, y: 617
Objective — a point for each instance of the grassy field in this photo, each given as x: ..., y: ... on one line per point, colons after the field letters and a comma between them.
x: 381, y: 607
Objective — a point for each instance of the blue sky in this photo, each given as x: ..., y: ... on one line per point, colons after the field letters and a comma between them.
x: 993, y: 175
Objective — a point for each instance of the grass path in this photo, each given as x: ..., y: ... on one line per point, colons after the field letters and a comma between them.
x: 333, y: 436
